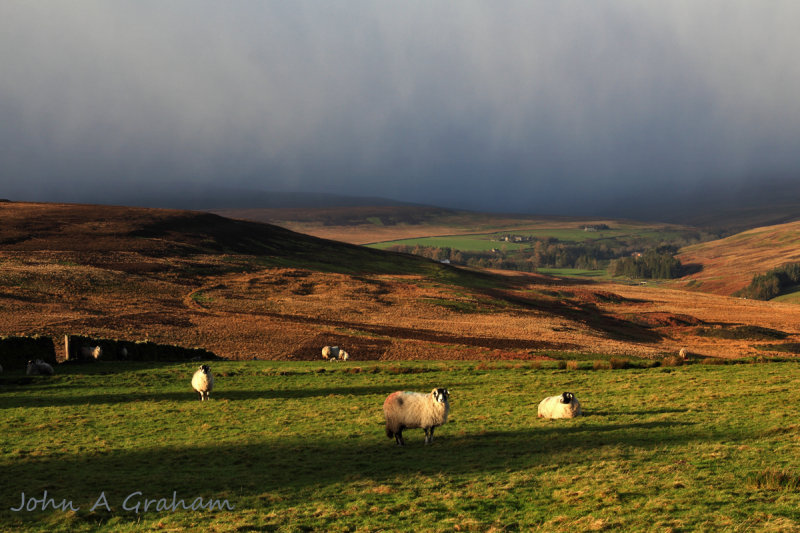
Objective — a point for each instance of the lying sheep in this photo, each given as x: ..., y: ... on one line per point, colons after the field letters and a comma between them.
x: 334, y: 353
x: 408, y: 410
x: 39, y: 368
x: 91, y: 352
x: 203, y: 382
x: 565, y: 405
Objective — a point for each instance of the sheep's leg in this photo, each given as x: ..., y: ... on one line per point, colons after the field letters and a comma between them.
x: 398, y: 437
x: 428, y: 435
x: 201, y: 395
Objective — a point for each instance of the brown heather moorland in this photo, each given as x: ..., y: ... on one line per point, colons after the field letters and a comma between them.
x: 729, y: 264
x: 250, y: 290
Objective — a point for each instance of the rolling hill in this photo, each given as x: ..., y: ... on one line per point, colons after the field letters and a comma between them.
x: 247, y: 289
x: 729, y: 264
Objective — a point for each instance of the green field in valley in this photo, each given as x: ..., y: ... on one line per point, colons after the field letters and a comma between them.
x: 301, y: 447
x: 487, y: 241
x: 472, y: 243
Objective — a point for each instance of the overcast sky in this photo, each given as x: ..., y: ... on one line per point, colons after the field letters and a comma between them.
x: 532, y: 106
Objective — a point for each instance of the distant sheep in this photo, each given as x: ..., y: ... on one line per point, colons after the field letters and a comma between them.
x: 565, y: 405
x: 408, y: 410
x: 203, y: 382
x: 683, y: 354
x: 334, y: 353
x: 39, y: 368
x: 91, y: 352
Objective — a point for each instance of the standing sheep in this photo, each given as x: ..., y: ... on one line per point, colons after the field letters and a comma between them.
x: 203, y: 382
x: 334, y: 353
x: 91, y: 352
x: 683, y: 354
x: 565, y: 405
x: 408, y: 410
x: 39, y: 368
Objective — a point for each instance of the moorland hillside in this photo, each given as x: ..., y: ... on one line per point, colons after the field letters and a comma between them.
x: 251, y: 290
x: 729, y: 264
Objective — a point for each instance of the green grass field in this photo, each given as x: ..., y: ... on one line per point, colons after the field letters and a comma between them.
x: 573, y: 272
x: 486, y: 241
x: 791, y: 297
x: 301, y: 447
x: 470, y: 243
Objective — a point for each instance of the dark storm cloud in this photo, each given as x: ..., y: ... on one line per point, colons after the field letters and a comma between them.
x: 525, y: 106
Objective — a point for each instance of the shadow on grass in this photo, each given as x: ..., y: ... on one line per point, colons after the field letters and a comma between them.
x: 290, y: 467
x: 35, y: 400
x: 663, y: 410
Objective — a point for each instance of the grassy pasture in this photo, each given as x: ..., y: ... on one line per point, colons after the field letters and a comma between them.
x: 301, y: 446
x: 573, y: 272
x: 481, y: 242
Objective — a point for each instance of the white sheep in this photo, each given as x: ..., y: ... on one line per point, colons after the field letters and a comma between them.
x: 334, y: 353
x: 203, y: 382
x: 39, y: 368
x: 683, y: 354
x: 408, y: 410
x: 564, y: 405
x: 91, y: 352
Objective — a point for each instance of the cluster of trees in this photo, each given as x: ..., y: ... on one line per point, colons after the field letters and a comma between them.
x: 773, y: 283
x: 551, y: 253
x: 653, y: 264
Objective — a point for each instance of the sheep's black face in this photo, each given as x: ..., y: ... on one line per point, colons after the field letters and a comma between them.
x: 567, y: 397
x: 205, y: 369
x: 441, y: 395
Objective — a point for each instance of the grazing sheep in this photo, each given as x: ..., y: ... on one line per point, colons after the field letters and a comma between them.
x: 91, y: 352
x: 203, y: 382
x: 39, y: 368
x: 408, y: 410
x: 684, y: 354
x: 334, y: 353
x: 565, y: 405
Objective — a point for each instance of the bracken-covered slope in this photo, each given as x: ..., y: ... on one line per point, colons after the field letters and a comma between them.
x: 729, y: 264
x: 246, y: 289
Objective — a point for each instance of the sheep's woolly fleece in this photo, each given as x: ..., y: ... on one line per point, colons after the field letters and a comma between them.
x: 562, y: 406
x: 408, y: 410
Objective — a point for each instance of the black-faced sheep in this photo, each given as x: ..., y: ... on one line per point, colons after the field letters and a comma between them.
x: 203, y: 382
x: 408, y: 410
x: 683, y: 354
x: 565, y: 405
x: 334, y: 353
x: 39, y: 368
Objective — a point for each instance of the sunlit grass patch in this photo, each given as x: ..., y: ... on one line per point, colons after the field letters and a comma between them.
x: 301, y: 446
